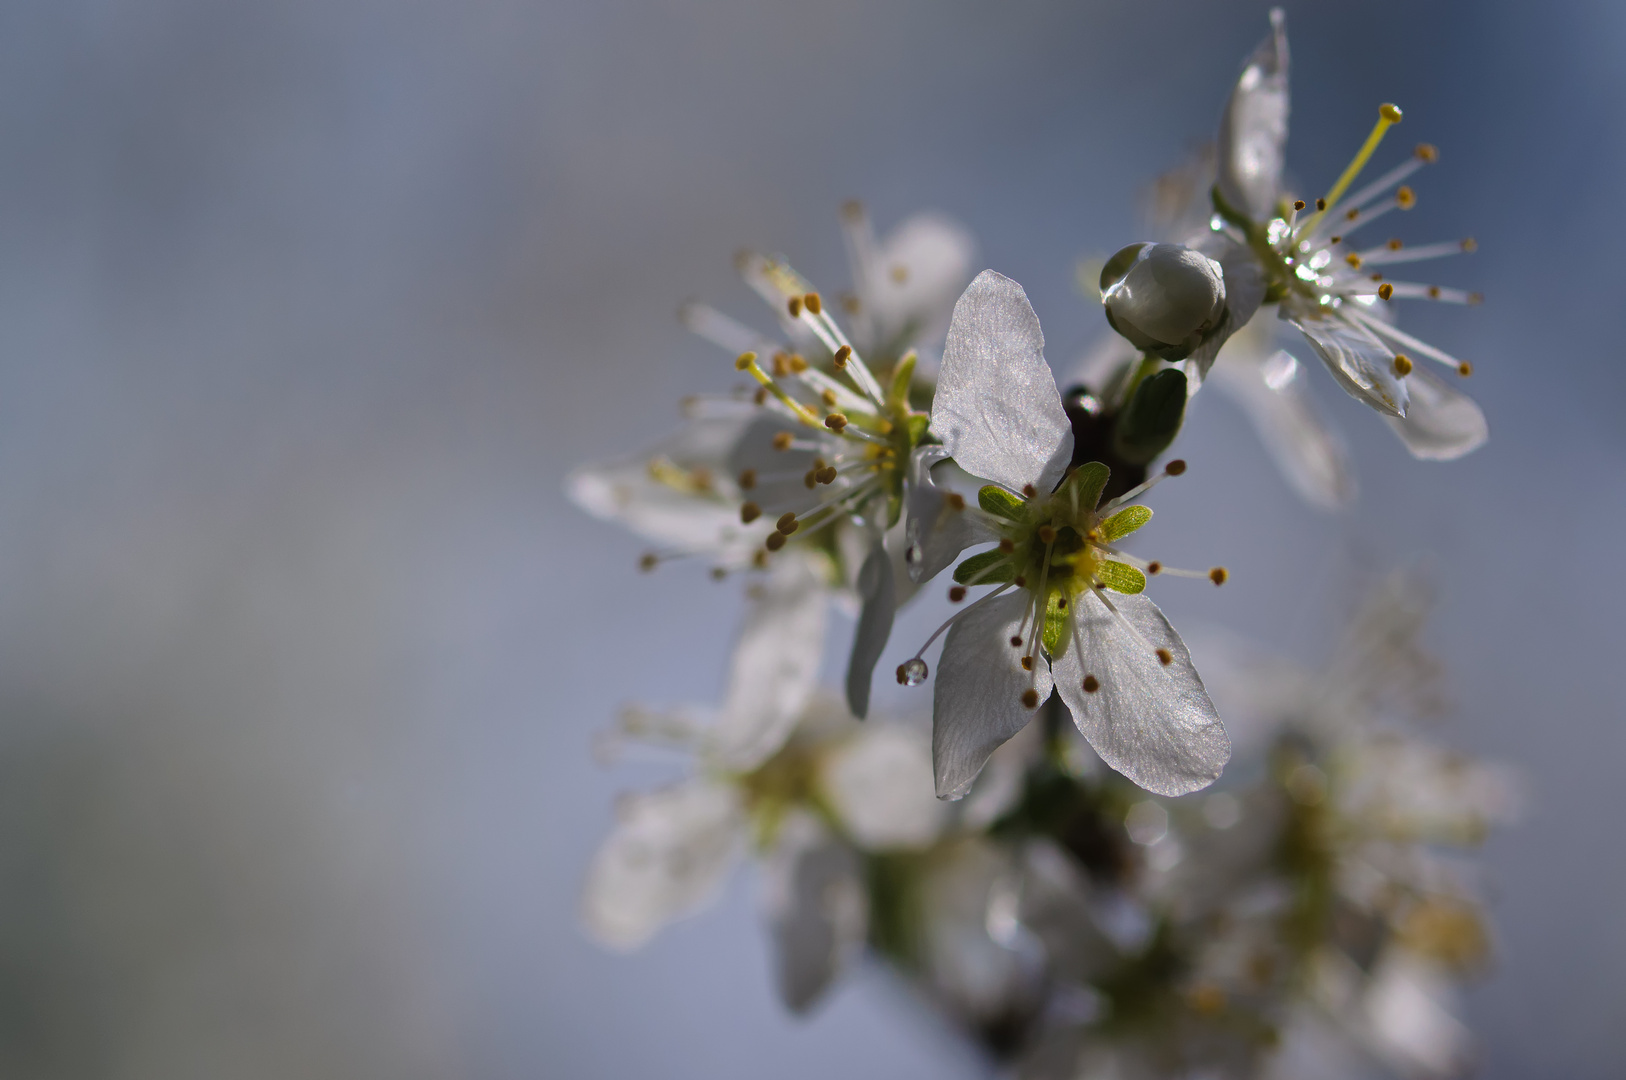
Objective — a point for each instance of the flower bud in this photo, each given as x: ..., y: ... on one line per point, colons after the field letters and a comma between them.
x: 1164, y: 298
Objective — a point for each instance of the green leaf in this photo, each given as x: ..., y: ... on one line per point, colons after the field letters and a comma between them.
x: 903, y: 376
x: 1151, y: 420
x: 996, y: 500
x: 1120, y: 577
x: 1088, y: 480
x: 974, y: 567
x: 1057, y: 626
x: 1124, y: 522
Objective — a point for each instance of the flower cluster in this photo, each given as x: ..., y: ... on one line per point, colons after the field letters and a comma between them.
x: 1059, y: 865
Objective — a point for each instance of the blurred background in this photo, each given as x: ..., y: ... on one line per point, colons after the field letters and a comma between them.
x: 306, y: 308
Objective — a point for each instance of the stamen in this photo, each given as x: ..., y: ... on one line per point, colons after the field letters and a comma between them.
x: 775, y: 541
x: 1154, y: 568
x: 648, y: 561
x: 950, y: 621
x: 1165, y: 657
x: 787, y: 522
x: 956, y: 594
x: 1402, y: 365
x: 1388, y: 115
x: 955, y: 500
x: 719, y: 329
x: 1173, y: 468
x: 1405, y: 198
x: 1218, y: 575
x: 782, y: 440
x: 748, y: 479
x: 1465, y: 369
x: 1383, y: 329
x: 813, y: 304
x: 1091, y: 684
x: 1391, y: 255
x: 1386, y: 291
x: 841, y: 356
x: 1029, y: 491
x: 749, y: 513
x: 794, y: 304
x: 1030, y: 698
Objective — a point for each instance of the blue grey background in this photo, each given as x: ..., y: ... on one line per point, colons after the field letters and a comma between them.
x: 306, y: 307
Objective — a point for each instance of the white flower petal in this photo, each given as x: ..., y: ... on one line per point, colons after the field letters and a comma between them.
x: 1363, y: 365
x: 879, y: 782
x: 1244, y: 292
x: 935, y: 532
x: 920, y: 269
x: 817, y: 908
x: 1153, y: 723
x: 997, y: 408
x: 1410, y: 1017
x: 1309, y: 452
x: 977, y: 703
x: 626, y: 492
x: 1253, y: 130
x: 1441, y: 423
x: 776, y: 663
x: 878, y: 594
x: 665, y: 859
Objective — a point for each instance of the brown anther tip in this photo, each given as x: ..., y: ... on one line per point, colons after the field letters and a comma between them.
x: 1029, y: 491
x: 1016, y: 641
x: 1389, y: 112
x: 748, y: 479
x: 1020, y: 581
x: 1377, y: 277
x: 1298, y: 204
x: 1336, y: 240
x: 827, y: 475
x: 1470, y: 244
x: 1175, y: 467
x: 900, y: 273
x: 1394, y: 245
x: 1405, y: 198
x: 798, y: 363
x: 842, y: 355
x: 810, y: 479
x: 1047, y: 533
x: 1007, y: 546
x: 1154, y: 567
x: 1465, y: 369
x: 1402, y: 365
x: 1030, y: 698
x: 760, y: 397
x: 1352, y: 213
x: 835, y: 421
x: 1475, y: 299
x: 1433, y: 292
x: 787, y: 522
x: 1218, y: 575
x: 1091, y: 684
x: 759, y: 559
x: 1321, y: 204
x: 775, y: 541
x: 794, y: 306
x: 956, y: 594
x: 744, y: 360
x: 749, y: 512
x: 781, y: 364
x: 782, y: 440
x: 1386, y: 291
x: 1027, y: 665
x: 1353, y: 260
x: 955, y: 500
x: 1061, y: 603
x: 718, y: 573
x: 829, y: 398
x: 813, y: 304
x: 1427, y: 152
x: 852, y: 210
x: 1165, y: 657
x: 648, y: 561
x: 850, y: 304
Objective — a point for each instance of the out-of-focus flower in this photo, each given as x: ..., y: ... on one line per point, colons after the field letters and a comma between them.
x: 1332, y: 290
x: 1120, y: 667
x: 781, y: 768
x: 904, y: 284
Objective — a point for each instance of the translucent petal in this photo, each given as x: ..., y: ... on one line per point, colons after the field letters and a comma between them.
x: 1309, y: 452
x: 1253, y: 129
x: 666, y: 858
x: 920, y: 269
x: 977, y: 703
x: 1362, y: 364
x: 775, y: 664
x: 997, y: 408
x: 879, y: 782
x: 1151, y: 722
x: 1441, y: 422
x: 817, y: 910
x: 878, y: 595
x: 935, y: 530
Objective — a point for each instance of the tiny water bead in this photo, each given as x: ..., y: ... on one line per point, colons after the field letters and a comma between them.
x: 912, y: 672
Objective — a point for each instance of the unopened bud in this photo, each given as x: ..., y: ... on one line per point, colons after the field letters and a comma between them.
x: 1163, y: 297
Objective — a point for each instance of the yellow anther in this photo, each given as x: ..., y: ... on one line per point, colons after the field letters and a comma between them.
x: 1427, y: 152
x: 787, y: 523
x: 1402, y: 365
x: 1394, y: 245
x: 1475, y: 298
x: 1030, y: 698
x: 955, y: 500
x: 1386, y: 290
x: 813, y: 304
x: 841, y: 356
x: 759, y: 559
x: 1390, y: 113
x: 835, y: 421
x: 1320, y: 204
x: 1218, y: 575
x: 810, y: 479
x: 1154, y: 567
x: 775, y: 541
x: 794, y: 304
x: 900, y: 273
x: 1470, y: 244
x: 744, y: 360
x: 761, y: 396
x: 1352, y: 213
x: 701, y: 479
x: 748, y: 479
x: 1433, y: 292
x: 798, y: 363
x: 850, y: 304
x: 782, y: 440
x: 1377, y: 277
x: 1027, y: 665
x: 852, y: 210
x: 1007, y: 546
x: 749, y: 513
x: 1336, y: 240
x: 1465, y: 369
x: 781, y: 364
x: 827, y: 475
x: 829, y: 398
x: 1091, y: 684
x: 1047, y: 533
x: 1165, y: 657
x: 1175, y: 467
x: 1298, y: 205
x: 1353, y: 260
x: 648, y: 561
x: 1405, y: 198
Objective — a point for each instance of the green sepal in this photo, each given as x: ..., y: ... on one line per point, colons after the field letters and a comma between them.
x: 996, y: 500
x: 903, y: 376
x: 1120, y: 577
x: 974, y: 567
x: 916, y: 424
x: 1124, y: 522
x: 1151, y: 420
x: 1089, y: 479
x: 1057, y: 626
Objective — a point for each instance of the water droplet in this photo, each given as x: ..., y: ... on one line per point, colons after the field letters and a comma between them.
x: 914, y: 553
x: 912, y: 672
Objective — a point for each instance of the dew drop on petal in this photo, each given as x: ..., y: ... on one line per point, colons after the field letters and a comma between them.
x: 912, y: 672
